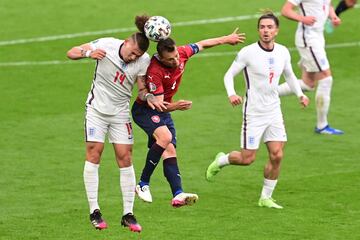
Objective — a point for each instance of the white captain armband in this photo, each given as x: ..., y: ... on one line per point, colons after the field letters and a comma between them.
x: 194, y: 47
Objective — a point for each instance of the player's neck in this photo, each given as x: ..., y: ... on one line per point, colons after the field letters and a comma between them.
x: 266, y: 46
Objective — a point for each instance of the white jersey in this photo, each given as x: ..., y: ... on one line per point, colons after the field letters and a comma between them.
x: 262, y: 69
x: 114, y: 79
x: 308, y: 36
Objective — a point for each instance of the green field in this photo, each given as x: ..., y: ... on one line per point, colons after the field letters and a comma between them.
x: 42, y: 148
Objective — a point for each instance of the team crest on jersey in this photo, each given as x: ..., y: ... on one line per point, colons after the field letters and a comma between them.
x: 271, y: 61
x: 152, y: 87
x: 123, y: 65
x: 181, y: 66
x: 155, y: 119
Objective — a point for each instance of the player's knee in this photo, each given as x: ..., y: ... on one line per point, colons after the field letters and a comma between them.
x: 276, y: 157
x: 164, y: 139
x: 93, y: 154
x: 93, y: 157
x: 124, y: 159
x: 248, y: 159
x: 308, y: 85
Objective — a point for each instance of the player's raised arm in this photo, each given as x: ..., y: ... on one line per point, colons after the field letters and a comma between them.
x: 232, y: 39
x: 288, y: 11
x: 85, y: 51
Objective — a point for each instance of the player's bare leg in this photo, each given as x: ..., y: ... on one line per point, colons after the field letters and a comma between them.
x: 271, y: 174
x: 244, y: 157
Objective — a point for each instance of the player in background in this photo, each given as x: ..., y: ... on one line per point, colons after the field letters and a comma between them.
x: 262, y: 63
x: 310, y: 42
x: 119, y: 65
x: 164, y: 77
x: 342, y: 6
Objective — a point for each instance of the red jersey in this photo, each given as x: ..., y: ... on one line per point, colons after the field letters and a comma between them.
x: 162, y: 80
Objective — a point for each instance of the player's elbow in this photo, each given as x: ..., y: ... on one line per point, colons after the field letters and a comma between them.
x: 286, y: 9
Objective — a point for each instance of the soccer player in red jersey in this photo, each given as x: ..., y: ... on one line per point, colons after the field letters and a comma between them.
x: 164, y: 76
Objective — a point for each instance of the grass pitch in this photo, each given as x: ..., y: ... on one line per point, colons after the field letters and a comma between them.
x: 42, y: 150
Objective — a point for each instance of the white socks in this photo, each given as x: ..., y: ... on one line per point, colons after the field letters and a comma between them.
x: 91, y: 181
x: 127, y: 186
x: 285, y: 90
x: 268, y: 188
x: 322, y: 99
x: 223, y: 161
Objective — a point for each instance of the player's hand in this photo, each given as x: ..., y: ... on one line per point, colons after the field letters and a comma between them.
x: 336, y: 21
x: 97, y: 54
x: 235, y: 100
x: 308, y: 20
x: 304, y: 101
x: 183, y: 105
x: 155, y: 103
x: 236, y: 37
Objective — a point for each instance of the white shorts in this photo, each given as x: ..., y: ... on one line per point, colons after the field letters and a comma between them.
x: 97, y: 125
x: 268, y: 128
x: 313, y: 59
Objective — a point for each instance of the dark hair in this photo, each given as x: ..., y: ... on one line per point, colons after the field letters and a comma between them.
x: 167, y: 45
x: 139, y: 37
x: 269, y: 15
x: 140, y: 22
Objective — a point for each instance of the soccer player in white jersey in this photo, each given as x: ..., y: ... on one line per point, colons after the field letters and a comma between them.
x: 119, y: 65
x: 310, y: 42
x: 262, y: 63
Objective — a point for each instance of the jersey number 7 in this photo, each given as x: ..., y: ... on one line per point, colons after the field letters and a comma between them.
x: 271, y: 76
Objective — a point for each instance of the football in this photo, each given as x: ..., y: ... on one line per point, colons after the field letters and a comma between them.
x: 157, y: 28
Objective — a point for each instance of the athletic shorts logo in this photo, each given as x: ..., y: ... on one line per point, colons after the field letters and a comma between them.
x: 152, y: 87
x: 251, y: 140
x: 323, y: 61
x: 91, y: 132
x: 155, y: 119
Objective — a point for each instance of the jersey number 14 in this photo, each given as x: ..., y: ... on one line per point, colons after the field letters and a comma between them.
x: 119, y: 77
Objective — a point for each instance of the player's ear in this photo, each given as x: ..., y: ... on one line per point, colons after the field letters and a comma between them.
x: 277, y: 31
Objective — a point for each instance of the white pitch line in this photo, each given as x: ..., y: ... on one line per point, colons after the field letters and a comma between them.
x: 211, y: 54
x: 128, y: 29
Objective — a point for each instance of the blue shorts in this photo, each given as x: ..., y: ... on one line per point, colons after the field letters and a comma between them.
x: 149, y: 120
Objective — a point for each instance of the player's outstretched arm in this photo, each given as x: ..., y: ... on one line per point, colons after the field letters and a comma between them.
x: 85, y: 51
x: 232, y: 39
x: 288, y: 11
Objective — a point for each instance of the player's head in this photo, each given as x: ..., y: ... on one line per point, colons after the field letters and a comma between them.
x: 168, y: 53
x: 268, y: 27
x: 137, y: 44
